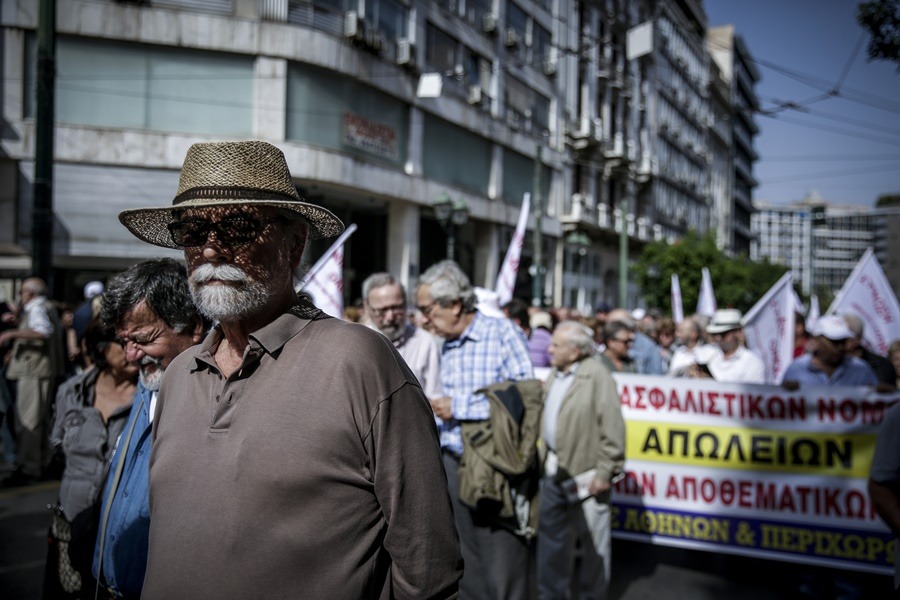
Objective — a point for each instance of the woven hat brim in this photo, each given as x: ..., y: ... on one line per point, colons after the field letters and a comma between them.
x: 151, y: 224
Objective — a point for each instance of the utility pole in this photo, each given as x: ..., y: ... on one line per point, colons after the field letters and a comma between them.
x: 42, y: 211
x: 623, y: 243
x: 537, y: 281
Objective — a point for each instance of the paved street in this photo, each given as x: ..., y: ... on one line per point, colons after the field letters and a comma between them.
x: 640, y: 571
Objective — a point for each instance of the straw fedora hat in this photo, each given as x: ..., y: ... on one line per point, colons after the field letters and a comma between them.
x: 227, y: 174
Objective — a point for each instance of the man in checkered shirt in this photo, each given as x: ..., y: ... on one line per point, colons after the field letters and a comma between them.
x: 478, y: 350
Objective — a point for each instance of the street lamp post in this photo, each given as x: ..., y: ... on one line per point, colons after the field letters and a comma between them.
x: 450, y: 214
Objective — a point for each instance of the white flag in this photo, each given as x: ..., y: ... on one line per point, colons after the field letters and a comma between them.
x: 706, y: 303
x: 677, y: 309
x: 325, y: 281
x: 868, y: 294
x: 812, y: 316
x: 798, y: 304
x: 506, y: 280
x: 769, y: 328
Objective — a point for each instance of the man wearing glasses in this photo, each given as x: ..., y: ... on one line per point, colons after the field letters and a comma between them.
x: 478, y: 350
x: 830, y: 362
x: 619, y: 338
x: 150, y: 307
x: 294, y: 455
x: 385, y: 307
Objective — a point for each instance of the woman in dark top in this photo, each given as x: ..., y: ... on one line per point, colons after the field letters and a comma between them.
x: 91, y: 411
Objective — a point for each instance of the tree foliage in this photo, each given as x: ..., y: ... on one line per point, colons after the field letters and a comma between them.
x: 888, y: 200
x: 738, y: 282
x: 881, y: 18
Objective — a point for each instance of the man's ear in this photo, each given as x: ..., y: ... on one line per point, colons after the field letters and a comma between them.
x: 197, y: 333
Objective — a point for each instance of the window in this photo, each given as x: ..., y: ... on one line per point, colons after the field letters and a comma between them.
x: 526, y: 108
x: 137, y: 86
x: 440, y: 50
x: 389, y: 16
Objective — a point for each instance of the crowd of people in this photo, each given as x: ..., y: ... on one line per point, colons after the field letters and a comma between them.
x: 218, y: 436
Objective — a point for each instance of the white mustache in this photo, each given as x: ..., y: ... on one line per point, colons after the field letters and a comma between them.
x: 207, y: 272
x: 149, y: 360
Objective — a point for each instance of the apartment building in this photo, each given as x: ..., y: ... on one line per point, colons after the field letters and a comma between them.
x: 608, y: 131
x: 822, y: 242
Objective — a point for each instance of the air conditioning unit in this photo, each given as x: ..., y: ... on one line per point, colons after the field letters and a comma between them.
x: 354, y: 25
x: 512, y: 37
x: 474, y: 95
x: 406, y: 53
x: 489, y: 23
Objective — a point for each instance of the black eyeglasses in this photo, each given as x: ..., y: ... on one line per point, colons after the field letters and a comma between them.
x: 231, y: 230
x: 426, y: 310
x: 626, y: 341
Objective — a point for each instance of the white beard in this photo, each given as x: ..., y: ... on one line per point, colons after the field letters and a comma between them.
x: 153, y: 379
x: 227, y: 302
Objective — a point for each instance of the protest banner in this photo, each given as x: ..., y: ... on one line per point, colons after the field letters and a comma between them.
x: 868, y: 294
x: 753, y: 470
x: 769, y: 328
x: 706, y: 302
x: 325, y: 280
x: 506, y: 280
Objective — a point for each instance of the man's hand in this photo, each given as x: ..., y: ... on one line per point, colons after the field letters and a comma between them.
x: 598, y: 486
x: 442, y: 407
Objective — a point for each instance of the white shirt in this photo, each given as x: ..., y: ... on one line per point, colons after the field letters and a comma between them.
x: 558, y: 390
x: 683, y: 357
x: 741, y: 367
x: 422, y: 353
x: 36, y: 317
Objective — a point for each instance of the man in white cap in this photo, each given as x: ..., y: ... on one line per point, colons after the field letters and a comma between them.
x: 736, y: 364
x: 830, y: 363
x: 294, y: 455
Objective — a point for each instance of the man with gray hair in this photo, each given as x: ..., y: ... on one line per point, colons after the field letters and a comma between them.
x: 150, y: 307
x: 584, y: 452
x: 384, y: 301
x: 478, y: 350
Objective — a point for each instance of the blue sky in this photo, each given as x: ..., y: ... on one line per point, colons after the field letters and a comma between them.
x: 847, y: 147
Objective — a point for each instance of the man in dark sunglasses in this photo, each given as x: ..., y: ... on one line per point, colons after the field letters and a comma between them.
x: 294, y: 455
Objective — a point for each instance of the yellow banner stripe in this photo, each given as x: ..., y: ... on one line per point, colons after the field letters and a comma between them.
x: 842, y: 455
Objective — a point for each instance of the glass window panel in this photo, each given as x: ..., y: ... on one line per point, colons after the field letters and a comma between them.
x: 443, y: 160
x: 114, y: 84
x: 328, y: 110
x: 440, y: 49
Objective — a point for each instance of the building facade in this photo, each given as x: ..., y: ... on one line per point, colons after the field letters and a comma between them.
x: 607, y: 129
x: 822, y: 242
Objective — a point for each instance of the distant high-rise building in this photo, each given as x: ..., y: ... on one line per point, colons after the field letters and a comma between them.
x: 822, y: 242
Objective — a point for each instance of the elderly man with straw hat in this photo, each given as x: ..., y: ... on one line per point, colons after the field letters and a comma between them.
x: 294, y: 455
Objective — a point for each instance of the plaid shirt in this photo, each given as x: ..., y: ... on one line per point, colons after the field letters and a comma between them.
x: 490, y: 350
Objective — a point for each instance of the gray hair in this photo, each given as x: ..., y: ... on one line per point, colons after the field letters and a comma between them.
x: 580, y: 337
x: 447, y: 284
x: 377, y: 280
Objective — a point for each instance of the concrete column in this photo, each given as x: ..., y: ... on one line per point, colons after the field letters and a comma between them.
x: 416, y: 142
x: 270, y: 98
x: 487, y: 251
x: 403, y: 241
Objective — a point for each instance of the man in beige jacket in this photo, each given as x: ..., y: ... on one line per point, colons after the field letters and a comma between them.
x: 584, y: 442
